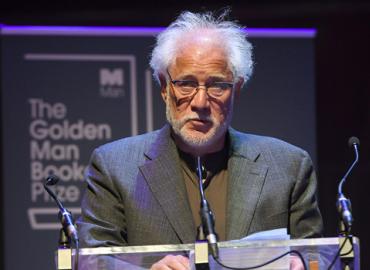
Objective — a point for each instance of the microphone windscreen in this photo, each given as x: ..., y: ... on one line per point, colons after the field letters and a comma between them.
x: 51, y: 180
x: 353, y: 140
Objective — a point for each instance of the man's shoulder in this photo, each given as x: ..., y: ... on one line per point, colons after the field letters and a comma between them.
x: 264, y: 144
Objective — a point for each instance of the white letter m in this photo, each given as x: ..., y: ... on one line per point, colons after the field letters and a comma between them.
x: 111, y: 78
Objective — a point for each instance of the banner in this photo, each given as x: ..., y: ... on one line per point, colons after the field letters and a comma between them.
x: 67, y: 90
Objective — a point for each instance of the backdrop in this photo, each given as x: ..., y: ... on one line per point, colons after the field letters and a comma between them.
x: 66, y: 90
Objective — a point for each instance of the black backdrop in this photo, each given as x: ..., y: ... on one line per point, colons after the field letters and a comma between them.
x: 342, y: 74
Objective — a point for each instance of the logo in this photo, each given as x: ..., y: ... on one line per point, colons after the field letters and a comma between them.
x: 112, y: 82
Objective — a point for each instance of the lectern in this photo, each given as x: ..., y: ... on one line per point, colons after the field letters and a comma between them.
x: 318, y: 254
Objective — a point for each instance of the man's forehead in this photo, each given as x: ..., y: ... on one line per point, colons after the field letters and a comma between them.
x: 199, y: 52
x: 201, y: 61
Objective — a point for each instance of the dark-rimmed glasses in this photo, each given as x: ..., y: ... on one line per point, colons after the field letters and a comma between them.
x: 189, y: 88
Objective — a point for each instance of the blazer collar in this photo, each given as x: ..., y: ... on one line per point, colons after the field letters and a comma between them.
x: 163, y: 174
x: 242, y: 146
x: 246, y: 179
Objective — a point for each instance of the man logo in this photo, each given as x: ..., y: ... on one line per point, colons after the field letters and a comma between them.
x: 114, y: 77
x: 111, y: 82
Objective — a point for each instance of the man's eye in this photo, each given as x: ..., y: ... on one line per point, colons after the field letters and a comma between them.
x: 220, y: 85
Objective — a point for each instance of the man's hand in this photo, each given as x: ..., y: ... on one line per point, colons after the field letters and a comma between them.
x: 172, y: 262
x: 296, y: 263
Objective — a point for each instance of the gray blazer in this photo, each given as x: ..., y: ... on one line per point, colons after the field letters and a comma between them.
x: 136, y: 195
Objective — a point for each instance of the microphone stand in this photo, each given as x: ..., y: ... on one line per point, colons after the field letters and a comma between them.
x: 207, y: 238
x: 68, y: 231
x: 346, y: 252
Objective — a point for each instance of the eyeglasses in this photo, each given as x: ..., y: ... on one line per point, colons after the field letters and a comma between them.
x: 190, y: 88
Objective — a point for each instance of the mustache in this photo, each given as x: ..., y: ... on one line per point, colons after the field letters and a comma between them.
x: 194, y: 116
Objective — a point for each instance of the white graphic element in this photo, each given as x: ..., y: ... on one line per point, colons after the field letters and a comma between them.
x: 111, y: 77
x: 149, y: 100
x: 33, y: 213
x: 131, y: 59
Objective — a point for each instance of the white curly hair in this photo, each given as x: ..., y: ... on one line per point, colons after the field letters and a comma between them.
x: 230, y: 34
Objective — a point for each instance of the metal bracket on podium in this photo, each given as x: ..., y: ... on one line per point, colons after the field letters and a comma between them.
x: 64, y: 252
x: 64, y: 259
x: 347, y: 254
x: 201, y: 255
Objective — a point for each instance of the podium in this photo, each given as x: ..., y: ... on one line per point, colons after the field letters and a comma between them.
x: 317, y: 252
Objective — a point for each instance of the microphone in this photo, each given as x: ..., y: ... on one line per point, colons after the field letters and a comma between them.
x: 206, y: 215
x: 64, y: 215
x: 355, y: 143
x: 344, y: 204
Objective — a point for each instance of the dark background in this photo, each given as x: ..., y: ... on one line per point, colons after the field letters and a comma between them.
x: 342, y: 73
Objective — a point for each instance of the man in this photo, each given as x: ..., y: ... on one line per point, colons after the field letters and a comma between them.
x: 143, y: 190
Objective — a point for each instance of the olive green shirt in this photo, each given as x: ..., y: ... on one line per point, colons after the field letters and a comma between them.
x: 215, y: 177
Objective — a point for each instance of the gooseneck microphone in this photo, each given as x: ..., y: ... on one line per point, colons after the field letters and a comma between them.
x: 344, y: 204
x: 206, y: 215
x: 65, y: 216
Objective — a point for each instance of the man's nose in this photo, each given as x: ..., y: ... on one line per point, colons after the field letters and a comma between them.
x: 200, y: 100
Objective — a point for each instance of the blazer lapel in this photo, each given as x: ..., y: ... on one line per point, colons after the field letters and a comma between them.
x: 164, y: 177
x: 246, y: 179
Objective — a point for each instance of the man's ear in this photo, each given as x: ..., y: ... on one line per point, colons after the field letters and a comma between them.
x: 163, y: 82
x: 238, y: 87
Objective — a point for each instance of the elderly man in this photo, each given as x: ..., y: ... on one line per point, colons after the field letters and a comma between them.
x: 143, y: 190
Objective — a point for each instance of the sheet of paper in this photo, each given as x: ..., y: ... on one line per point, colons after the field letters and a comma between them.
x: 276, y: 234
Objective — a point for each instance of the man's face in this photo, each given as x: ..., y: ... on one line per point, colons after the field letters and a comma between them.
x: 200, y: 120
